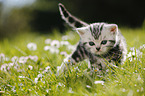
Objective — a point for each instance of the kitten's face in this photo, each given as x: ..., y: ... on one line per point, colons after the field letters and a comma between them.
x: 98, y: 38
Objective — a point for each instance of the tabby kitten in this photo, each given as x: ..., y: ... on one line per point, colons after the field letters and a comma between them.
x: 100, y: 43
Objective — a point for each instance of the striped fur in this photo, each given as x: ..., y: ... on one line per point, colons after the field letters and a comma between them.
x: 100, y: 43
x: 96, y: 31
x: 70, y: 19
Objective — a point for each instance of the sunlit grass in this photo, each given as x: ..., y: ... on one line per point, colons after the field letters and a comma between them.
x: 37, y: 76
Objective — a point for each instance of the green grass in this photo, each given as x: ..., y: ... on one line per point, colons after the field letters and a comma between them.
x: 19, y: 79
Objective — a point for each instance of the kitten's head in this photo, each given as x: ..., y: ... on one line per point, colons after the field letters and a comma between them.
x: 98, y: 38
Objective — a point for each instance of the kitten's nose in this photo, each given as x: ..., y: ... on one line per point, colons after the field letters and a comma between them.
x: 98, y: 48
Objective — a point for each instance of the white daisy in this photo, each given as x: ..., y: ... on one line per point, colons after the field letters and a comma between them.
x: 30, y: 67
x: 71, y: 47
x: 34, y: 58
x: 32, y: 46
x: 2, y: 57
x: 52, y: 49
x: 14, y: 59
x: 4, y: 67
x: 99, y: 82
x: 70, y: 90
x: 55, y: 43
x: 63, y: 53
x: 64, y: 43
x: 23, y: 59
x: 47, y: 41
x: 65, y: 37
x: 47, y: 48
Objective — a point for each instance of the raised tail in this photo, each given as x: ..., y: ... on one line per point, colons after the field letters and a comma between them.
x: 70, y: 19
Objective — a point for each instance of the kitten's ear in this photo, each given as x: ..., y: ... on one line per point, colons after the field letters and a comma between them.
x: 81, y: 31
x: 113, y: 28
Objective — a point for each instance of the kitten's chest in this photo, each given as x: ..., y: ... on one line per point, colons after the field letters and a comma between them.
x: 115, y: 54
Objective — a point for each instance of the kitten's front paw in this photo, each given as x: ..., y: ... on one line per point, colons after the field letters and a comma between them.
x: 64, y: 66
x: 60, y: 69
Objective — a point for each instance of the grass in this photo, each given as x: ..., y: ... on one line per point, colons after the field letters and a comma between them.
x: 29, y: 76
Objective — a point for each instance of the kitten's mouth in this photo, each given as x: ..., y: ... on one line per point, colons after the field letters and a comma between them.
x: 99, y: 52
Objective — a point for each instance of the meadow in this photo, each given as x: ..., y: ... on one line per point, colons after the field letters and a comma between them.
x: 29, y: 61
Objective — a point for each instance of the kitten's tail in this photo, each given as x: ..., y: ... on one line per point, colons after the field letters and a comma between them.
x: 70, y: 19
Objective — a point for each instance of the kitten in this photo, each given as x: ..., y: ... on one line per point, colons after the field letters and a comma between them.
x: 100, y: 43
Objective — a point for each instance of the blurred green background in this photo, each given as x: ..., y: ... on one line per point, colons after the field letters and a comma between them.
x: 42, y: 16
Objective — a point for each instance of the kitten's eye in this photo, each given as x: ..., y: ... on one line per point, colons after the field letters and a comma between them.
x: 91, y: 43
x: 104, y: 42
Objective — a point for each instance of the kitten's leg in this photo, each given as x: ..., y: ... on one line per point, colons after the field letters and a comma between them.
x: 65, y: 64
x: 78, y: 55
x: 102, y: 64
x: 98, y: 64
